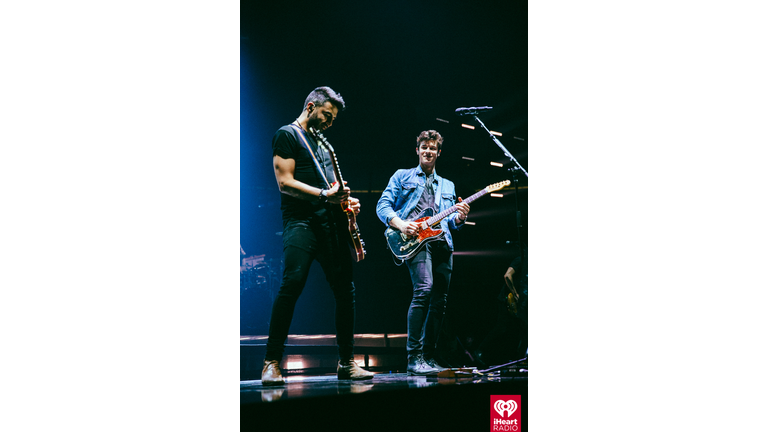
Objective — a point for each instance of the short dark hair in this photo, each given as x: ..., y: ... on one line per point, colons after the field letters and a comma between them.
x: 430, y: 135
x: 321, y: 95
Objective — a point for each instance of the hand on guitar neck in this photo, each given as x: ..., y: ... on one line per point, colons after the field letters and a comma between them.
x: 343, y: 197
x: 338, y: 195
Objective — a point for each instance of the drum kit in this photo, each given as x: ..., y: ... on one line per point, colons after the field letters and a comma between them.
x: 262, y: 275
x: 259, y: 283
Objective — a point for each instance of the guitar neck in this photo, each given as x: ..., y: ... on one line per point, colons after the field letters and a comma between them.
x: 440, y: 216
x: 328, y: 147
x: 337, y: 170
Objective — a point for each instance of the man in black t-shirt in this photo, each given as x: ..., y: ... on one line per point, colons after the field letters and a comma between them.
x: 309, y: 200
x: 508, y: 339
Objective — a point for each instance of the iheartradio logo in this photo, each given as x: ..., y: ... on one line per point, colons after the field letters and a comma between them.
x: 505, y: 413
x: 509, y: 407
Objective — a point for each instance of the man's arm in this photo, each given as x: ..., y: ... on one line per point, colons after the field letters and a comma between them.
x: 512, y: 296
x: 284, y: 171
x: 385, y: 208
x: 508, y: 278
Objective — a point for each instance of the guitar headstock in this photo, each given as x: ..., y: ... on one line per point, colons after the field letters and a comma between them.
x: 497, y: 186
x: 321, y: 141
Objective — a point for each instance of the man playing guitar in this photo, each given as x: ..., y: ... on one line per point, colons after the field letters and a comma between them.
x: 409, y: 194
x: 311, y: 232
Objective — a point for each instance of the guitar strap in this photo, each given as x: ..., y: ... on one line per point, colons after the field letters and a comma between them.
x: 309, y: 149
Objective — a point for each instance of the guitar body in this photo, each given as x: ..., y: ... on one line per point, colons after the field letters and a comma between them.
x: 404, y: 247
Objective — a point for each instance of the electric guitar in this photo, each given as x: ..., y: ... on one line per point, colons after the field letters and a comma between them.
x: 404, y: 247
x: 357, y: 247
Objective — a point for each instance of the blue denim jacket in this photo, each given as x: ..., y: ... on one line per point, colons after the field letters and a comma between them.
x: 404, y: 191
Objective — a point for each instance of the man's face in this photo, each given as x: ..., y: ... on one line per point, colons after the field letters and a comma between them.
x: 428, y: 153
x: 321, y: 117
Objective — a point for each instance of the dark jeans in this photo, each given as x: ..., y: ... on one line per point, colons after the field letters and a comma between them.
x: 431, y: 274
x: 303, y: 244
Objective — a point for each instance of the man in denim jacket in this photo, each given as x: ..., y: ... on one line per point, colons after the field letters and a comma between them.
x: 408, y: 194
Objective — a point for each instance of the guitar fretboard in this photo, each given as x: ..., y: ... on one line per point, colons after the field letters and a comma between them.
x: 323, y: 142
x: 440, y: 216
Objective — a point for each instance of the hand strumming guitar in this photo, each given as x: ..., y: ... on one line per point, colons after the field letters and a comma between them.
x: 354, y: 204
x: 406, y: 227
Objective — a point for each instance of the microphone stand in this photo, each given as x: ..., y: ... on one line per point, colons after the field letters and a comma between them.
x: 514, y: 170
x: 518, y: 215
x: 501, y: 146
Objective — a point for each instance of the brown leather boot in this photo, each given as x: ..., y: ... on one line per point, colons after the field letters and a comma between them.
x: 271, y: 374
x: 348, y: 369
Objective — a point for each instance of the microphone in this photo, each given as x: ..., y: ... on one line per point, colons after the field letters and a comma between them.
x: 471, y: 110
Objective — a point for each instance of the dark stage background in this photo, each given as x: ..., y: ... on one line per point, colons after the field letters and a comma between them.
x: 399, y: 66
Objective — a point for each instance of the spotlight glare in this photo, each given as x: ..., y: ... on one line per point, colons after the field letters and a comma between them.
x: 295, y: 365
x: 496, y: 133
x: 467, y: 126
x: 469, y: 223
x: 497, y: 195
x: 496, y: 164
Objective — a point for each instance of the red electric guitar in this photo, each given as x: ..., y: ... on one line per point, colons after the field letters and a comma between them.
x: 404, y: 247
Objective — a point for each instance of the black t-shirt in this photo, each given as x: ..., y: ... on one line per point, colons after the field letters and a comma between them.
x: 287, y: 144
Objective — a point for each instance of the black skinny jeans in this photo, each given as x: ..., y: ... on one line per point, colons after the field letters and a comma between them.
x: 431, y: 274
x: 303, y: 244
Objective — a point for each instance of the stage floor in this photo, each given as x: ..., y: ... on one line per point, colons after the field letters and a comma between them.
x: 313, y: 396
x: 328, y: 385
x: 389, y: 401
